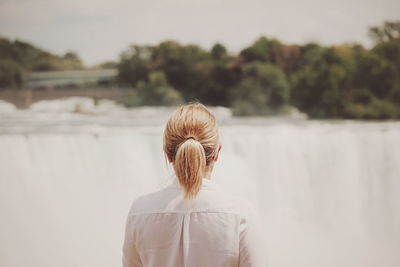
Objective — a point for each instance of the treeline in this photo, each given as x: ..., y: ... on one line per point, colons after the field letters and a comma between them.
x: 18, y: 57
x: 268, y: 77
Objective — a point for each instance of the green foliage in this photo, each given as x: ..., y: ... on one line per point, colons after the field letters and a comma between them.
x: 107, y: 65
x: 344, y: 81
x: 155, y: 92
x: 18, y: 57
x: 197, y: 74
x: 132, y: 67
x: 218, y: 82
x: 287, y: 57
x: 389, y: 31
x: 218, y: 51
x: 319, y: 87
x: 261, y: 50
x: 263, y: 90
x: 375, y: 109
x: 375, y: 73
x: 10, y: 74
x: 184, y: 66
x: 72, y: 61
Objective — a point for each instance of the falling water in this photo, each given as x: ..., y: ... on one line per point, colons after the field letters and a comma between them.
x: 328, y: 191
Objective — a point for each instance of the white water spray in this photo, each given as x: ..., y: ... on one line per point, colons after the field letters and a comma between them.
x: 329, y: 192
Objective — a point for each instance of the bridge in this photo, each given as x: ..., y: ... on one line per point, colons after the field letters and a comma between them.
x: 46, y: 79
x: 47, y: 85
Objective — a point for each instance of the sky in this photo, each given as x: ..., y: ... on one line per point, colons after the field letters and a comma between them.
x: 99, y: 30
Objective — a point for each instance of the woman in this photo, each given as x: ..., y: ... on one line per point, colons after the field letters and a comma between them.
x: 192, y: 222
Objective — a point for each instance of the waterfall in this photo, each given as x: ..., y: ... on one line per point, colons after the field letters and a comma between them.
x: 328, y: 191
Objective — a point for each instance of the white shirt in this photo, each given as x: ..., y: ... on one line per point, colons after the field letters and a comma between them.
x: 213, y: 230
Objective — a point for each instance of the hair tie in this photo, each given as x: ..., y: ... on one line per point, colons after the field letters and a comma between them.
x: 191, y: 137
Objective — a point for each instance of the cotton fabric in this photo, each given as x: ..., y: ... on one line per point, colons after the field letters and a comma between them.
x: 214, y: 229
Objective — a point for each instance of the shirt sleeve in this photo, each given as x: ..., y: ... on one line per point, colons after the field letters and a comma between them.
x: 130, y: 255
x: 252, y: 249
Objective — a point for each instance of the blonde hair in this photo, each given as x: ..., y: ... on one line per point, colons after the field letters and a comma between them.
x: 190, y: 142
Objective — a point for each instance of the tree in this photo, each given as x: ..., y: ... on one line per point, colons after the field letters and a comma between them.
x: 388, y: 32
x: 156, y: 92
x: 263, y: 90
x: 319, y: 87
x: 72, y: 61
x: 133, y: 65
x: 184, y: 66
x: 218, y: 51
x: 374, y: 73
x: 10, y: 74
x: 261, y: 50
x: 387, y: 48
x: 18, y: 57
x: 107, y: 65
x: 287, y: 57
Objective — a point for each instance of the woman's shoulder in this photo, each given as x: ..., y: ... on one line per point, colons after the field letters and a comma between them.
x: 236, y: 203
x: 221, y: 200
x: 212, y: 198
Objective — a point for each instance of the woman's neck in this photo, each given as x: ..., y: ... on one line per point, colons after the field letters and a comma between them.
x: 208, y: 171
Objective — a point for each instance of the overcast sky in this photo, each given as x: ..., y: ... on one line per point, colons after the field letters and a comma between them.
x: 100, y: 30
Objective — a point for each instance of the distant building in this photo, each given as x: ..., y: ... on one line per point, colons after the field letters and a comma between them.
x: 79, y: 78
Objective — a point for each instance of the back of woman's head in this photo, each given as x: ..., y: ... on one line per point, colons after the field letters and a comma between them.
x: 191, y: 142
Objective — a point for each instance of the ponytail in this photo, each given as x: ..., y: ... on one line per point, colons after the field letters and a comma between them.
x: 189, y: 165
x: 190, y: 143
